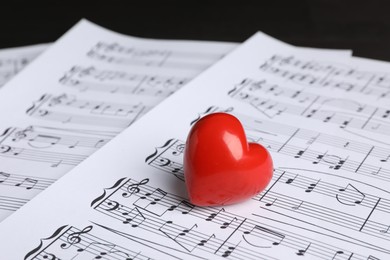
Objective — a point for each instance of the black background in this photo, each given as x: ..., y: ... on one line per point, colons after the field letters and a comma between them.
x: 363, y: 26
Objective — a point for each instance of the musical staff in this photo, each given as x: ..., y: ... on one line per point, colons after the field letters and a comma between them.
x: 347, y: 196
x: 69, y: 242
x: 24, y: 181
x: 341, y: 112
x: 14, y: 60
x: 92, y: 79
x: 237, y: 237
x: 297, y: 144
x: 337, y: 153
x: 43, y: 138
x: 11, y: 203
x: 139, y: 56
x: 328, y: 75
x: 70, y: 110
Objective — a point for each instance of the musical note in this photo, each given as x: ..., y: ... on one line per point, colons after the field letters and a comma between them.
x: 204, y: 241
x: 302, y: 252
x: 269, y: 204
x: 149, y: 202
x: 297, y: 206
x: 214, y: 214
x: 260, y: 236
x: 230, y: 250
x: 134, y: 217
x: 183, y: 206
x: 350, y: 196
x: 312, y: 186
x: 28, y: 183
x: 337, y: 253
x: 177, y: 234
x: 386, y: 159
x: 291, y: 180
x: 47, y: 140
x: 227, y: 224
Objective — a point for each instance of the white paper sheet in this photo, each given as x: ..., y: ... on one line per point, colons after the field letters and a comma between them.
x: 323, y: 118
x: 13, y: 60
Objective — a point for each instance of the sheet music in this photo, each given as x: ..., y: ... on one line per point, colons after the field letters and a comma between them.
x: 327, y: 199
x: 90, y: 85
x: 71, y: 101
x: 13, y: 60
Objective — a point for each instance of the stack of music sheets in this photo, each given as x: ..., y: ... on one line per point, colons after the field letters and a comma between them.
x: 93, y: 130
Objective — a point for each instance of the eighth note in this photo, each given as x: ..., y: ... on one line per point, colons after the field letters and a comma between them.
x: 28, y: 183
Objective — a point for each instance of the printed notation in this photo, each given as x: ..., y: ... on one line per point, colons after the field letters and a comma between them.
x: 139, y: 56
x: 92, y: 79
x: 24, y: 181
x: 169, y: 157
x: 341, y: 112
x: 43, y: 137
x: 69, y: 109
x: 290, y: 195
x: 69, y: 242
x: 328, y: 75
x: 151, y: 211
x: 337, y: 153
x: 10, y: 67
x: 55, y: 159
x: 53, y: 146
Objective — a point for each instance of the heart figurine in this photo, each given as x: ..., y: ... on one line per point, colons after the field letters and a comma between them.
x: 220, y: 166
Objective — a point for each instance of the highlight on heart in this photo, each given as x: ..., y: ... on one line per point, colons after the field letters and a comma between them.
x: 220, y: 166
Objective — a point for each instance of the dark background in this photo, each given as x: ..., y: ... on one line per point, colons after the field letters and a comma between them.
x: 363, y: 26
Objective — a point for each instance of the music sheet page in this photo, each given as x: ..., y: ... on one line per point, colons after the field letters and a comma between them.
x: 13, y: 60
x: 324, y: 118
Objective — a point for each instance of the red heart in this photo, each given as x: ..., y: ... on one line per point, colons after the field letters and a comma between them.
x: 220, y: 167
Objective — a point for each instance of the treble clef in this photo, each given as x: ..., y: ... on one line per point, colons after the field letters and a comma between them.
x: 22, y: 134
x: 134, y: 188
x: 75, y: 237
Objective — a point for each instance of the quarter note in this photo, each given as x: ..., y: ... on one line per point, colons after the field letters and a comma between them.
x: 227, y: 224
x: 214, y: 214
x: 337, y: 253
x: 302, y: 252
x: 291, y: 180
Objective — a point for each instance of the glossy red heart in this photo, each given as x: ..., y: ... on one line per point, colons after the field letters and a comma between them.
x: 220, y: 166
